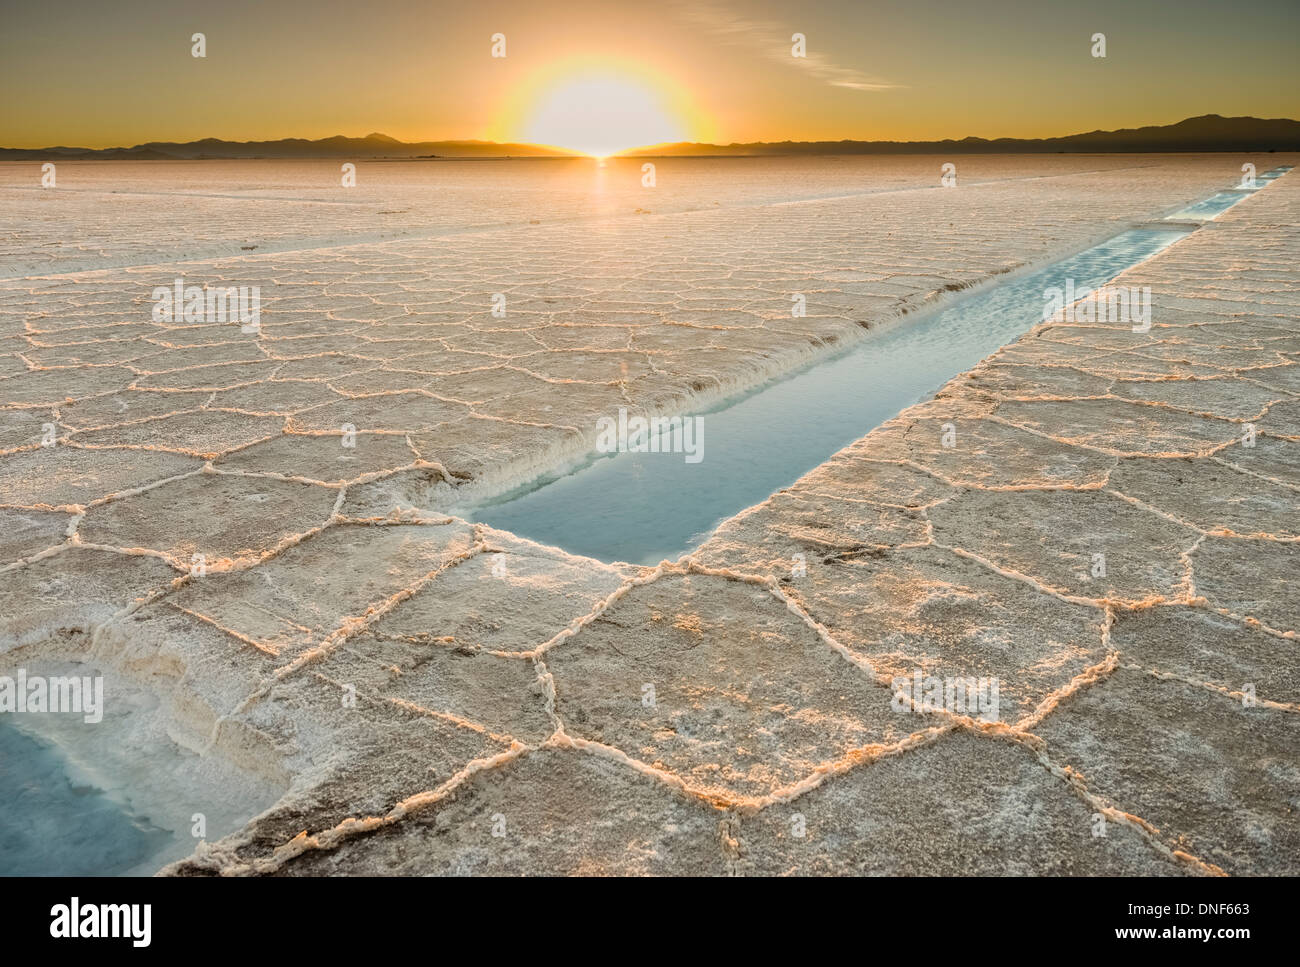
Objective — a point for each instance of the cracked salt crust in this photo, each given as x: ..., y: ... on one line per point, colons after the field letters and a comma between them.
x: 498, y: 682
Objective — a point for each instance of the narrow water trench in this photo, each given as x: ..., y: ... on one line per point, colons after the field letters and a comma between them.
x: 1221, y: 201
x: 644, y: 507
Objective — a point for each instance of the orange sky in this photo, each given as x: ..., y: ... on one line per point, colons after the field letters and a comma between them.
x: 97, y: 74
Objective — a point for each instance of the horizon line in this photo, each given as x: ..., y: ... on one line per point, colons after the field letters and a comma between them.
x: 561, y: 151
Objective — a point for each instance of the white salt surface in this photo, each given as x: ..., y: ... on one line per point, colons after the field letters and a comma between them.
x: 488, y: 674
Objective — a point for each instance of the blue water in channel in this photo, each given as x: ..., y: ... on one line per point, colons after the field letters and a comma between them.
x: 1221, y: 201
x: 646, y: 507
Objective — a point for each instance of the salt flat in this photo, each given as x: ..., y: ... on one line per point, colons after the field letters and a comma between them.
x: 129, y: 213
x: 420, y: 694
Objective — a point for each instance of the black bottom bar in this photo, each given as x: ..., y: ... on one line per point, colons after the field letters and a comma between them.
x: 964, y: 918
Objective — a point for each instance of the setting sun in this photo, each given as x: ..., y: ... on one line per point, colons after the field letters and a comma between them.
x: 600, y: 115
x: 598, y: 105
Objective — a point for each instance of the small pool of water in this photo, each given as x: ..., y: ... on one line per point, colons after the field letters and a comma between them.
x: 56, y: 824
x: 114, y: 795
x: 646, y: 507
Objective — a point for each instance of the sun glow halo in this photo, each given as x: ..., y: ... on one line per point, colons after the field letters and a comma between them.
x: 600, y: 113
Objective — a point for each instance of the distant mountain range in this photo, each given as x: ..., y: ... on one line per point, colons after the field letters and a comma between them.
x: 1209, y: 132
x: 372, y: 146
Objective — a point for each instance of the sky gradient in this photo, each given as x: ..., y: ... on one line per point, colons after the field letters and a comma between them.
x: 94, y: 74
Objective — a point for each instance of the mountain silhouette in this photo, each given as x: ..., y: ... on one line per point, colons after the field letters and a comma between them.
x: 1209, y: 132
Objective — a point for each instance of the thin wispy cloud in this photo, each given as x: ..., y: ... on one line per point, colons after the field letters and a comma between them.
x: 771, y: 39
